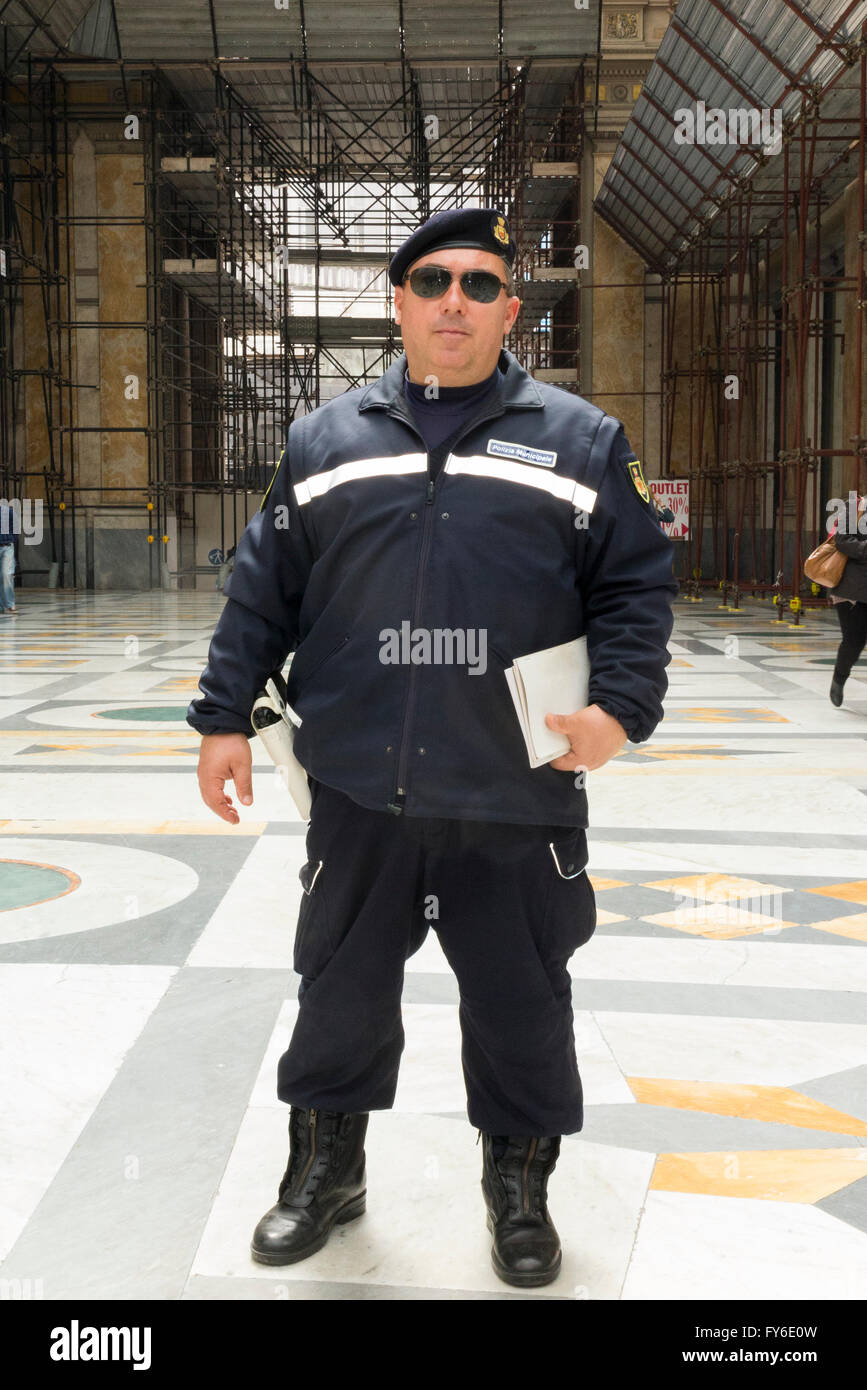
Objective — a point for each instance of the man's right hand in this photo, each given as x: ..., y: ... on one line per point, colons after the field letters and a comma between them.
x: 224, y: 758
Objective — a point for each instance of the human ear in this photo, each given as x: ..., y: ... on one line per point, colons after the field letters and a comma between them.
x: 513, y: 304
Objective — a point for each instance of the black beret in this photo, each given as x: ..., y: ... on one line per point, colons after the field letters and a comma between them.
x: 485, y: 228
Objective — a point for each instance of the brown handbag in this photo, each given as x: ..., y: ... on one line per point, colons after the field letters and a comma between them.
x: 826, y: 564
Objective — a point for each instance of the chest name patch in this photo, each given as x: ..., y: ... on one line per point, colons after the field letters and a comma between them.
x: 546, y: 458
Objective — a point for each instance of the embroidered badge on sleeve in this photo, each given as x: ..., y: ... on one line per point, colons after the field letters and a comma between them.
x: 633, y: 468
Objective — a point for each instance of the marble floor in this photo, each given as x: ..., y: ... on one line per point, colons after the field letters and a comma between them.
x: 147, y: 991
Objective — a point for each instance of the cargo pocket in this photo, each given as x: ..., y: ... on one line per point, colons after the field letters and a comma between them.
x: 312, y: 937
x: 570, y: 911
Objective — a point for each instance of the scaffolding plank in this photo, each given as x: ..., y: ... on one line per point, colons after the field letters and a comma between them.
x: 213, y: 285
x: 552, y: 169
x: 538, y: 299
x: 555, y: 272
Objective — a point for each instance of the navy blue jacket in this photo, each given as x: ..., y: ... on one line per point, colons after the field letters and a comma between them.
x: 355, y: 536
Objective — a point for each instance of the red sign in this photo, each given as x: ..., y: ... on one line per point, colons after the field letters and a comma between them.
x: 673, y: 493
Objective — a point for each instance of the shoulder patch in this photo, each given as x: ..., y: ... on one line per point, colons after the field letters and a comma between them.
x: 636, y: 477
x: 273, y: 476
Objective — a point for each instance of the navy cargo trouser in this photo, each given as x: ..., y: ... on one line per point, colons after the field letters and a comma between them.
x: 508, y: 912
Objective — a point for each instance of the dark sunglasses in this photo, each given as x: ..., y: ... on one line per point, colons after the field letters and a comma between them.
x: 432, y: 281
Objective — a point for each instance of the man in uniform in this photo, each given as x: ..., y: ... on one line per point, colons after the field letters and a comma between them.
x: 456, y: 499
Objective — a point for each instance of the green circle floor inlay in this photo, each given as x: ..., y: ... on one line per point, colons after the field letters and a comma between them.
x: 24, y: 884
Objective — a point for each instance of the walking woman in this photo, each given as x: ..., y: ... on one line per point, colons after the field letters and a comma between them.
x: 850, y: 599
x: 7, y: 563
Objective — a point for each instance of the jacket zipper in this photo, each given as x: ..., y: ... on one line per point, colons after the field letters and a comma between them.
x: 530, y: 1152
x: 397, y: 802
x: 309, y: 1164
x: 416, y: 611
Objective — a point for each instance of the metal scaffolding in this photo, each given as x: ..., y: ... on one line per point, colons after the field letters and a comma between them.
x: 273, y: 192
x: 545, y: 201
x: 36, y: 360
x: 762, y: 283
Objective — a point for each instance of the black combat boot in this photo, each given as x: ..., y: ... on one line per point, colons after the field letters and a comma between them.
x: 836, y: 690
x: 526, y: 1249
x: 324, y: 1184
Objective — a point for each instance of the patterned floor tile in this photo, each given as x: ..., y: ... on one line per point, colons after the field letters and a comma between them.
x: 719, y: 1026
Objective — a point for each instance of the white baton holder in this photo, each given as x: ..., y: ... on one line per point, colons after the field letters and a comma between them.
x: 278, y: 739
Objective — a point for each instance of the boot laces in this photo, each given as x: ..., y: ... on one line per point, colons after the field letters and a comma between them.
x: 328, y: 1134
x: 510, y: 1167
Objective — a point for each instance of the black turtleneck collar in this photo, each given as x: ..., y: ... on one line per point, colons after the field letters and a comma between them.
x: 419, y: 394
x: 442, y: 416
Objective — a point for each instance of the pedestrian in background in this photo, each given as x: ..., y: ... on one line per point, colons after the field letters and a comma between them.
x: 7, y: 563
x: 850, y: 600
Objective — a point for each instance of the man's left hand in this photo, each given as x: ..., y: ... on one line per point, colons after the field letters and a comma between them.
x: 595, y: 737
